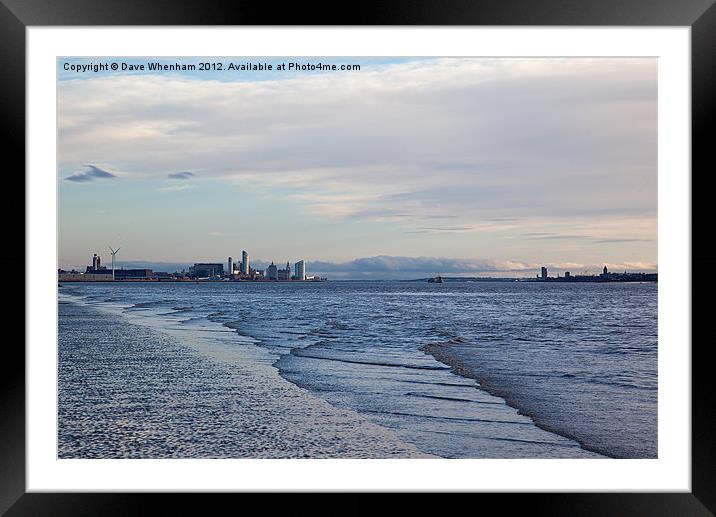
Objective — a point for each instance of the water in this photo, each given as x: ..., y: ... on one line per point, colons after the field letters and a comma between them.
x: 358, y: 369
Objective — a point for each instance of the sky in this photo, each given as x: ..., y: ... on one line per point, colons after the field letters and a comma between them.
x: 405, y: 168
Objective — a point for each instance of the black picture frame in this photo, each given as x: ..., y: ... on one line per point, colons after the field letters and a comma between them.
x: 700, y: 15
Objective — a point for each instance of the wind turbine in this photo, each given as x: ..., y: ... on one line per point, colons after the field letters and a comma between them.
x: 114, y: 252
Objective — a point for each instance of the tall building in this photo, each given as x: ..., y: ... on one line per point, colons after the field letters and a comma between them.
x: 230, y: 270
x: 299, y: 270
x: 96, y: 266
x: 244, y: 263
x: 605, y: 271
x: 544, y: 273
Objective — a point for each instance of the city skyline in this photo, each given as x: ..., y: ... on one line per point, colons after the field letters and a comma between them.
x: 479, y: 166
x: 390, y: 268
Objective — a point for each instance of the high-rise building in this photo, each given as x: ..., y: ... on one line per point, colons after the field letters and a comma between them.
x: 244, y: 263
x: 95, y: 262
x: 605, y: 271
x: 299, y: 270
x: 230, y: 269
x: 544, y: 273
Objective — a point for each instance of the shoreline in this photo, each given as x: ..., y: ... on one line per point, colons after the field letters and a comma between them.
x: 377, y: 441
x: 438, y: 351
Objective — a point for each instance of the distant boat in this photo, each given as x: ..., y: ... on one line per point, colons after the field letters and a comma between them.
x: 436, y: 280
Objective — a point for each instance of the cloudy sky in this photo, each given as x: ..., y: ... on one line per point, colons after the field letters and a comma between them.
x: 408, y: 167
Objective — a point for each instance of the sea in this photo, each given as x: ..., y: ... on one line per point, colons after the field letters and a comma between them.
x: 357, y: 369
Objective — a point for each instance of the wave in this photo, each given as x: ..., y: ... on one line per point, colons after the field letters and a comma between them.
x: 143, y: 305
x: 300, y: 352
x: 441, y: 351
x: 452, y: 399
x: 450, y: 418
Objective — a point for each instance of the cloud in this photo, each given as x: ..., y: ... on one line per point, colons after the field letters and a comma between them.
x: 78, y: 178
x: 172, y: 188
x: 385, y: 263
x: 91, y: 173
x: 181, y: 175
x: 564, y: 146
x: 554, y: 236
x: 475, y: 138
x: 397, y: 267
x: 441, y: 229
x: 627, y: 240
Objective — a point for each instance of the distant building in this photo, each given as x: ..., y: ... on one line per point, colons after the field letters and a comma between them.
x: 567, y: 274
x: 544, y: 273
x: 285, y: 274
x: 230, y: 269
x: 605, y: 271
x: 299, y: 270
x: 133, y: 274
x: 244, y: 263
x: 207, y: 270
x: 96, y: 266
x: 272, y: 272
x: 74, y: 276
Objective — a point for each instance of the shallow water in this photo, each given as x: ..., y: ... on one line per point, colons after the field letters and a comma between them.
x: 133, y: 392
x: 580, y: 360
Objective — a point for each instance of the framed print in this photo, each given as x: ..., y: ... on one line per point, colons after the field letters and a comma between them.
x: 418, y: 257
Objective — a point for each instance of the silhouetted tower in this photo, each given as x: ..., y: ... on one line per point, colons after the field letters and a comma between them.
x: 244, y: 263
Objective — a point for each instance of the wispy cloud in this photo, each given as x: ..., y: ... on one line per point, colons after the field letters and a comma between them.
x: 473, y: 153
x: 556, y: 236
x: 568, y: 237
x: 172, y: 188
x: 91, y: 173
x: 441, y: 229
x: 185, y: 175
x: 625, y: 240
